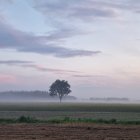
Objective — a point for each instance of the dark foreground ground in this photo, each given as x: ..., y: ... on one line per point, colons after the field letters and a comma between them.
x: 78, y: 131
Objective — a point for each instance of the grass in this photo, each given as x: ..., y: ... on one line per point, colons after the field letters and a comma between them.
x: 24, y: 119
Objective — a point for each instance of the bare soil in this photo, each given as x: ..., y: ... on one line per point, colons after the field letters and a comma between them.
x: 78, y: 131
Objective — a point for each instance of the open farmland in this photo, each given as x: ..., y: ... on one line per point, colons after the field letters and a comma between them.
x: 69, y: 130
x: 126, y: 112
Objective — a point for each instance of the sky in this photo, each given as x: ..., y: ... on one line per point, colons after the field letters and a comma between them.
x: 93, y: 44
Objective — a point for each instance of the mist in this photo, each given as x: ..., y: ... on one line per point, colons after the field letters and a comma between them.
x: 44, y: 97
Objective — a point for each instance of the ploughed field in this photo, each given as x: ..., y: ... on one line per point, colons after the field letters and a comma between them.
x: 69, y: 131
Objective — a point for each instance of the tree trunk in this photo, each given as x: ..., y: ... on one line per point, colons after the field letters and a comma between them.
x: 60, y: 98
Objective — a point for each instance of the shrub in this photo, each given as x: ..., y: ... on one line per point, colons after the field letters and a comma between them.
x: 24, y: 119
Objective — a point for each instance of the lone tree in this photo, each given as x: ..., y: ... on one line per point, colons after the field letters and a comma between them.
x: 59, y: 88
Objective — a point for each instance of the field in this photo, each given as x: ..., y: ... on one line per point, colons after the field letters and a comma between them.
x: 76, y: 121
x: 124, y: 112
x: 68, y: 132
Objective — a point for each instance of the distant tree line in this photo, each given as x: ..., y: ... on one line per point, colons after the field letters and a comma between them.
x: 58, y: 90
x: 109, y: 99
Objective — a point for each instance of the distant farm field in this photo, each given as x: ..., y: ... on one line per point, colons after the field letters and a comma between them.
x: 46, y: 111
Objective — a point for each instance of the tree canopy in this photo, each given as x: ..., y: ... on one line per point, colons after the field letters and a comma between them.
x: 60, y: 88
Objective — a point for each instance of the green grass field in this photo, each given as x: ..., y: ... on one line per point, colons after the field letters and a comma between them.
x: 46, y: 111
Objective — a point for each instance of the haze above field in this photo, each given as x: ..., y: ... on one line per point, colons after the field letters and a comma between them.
x: 94, y: 44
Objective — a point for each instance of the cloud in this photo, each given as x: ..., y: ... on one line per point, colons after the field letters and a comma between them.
x: 79, y: 9
x: 4, y: 78
x: 11, y: 38
x: 30, y: 64
x: 85, y: 10
x: 88, y: 76
x: 14, y: 62
x: 44, y: 69
x: 127, y: 5
x: 74, y: 53
x: 62, y: 33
